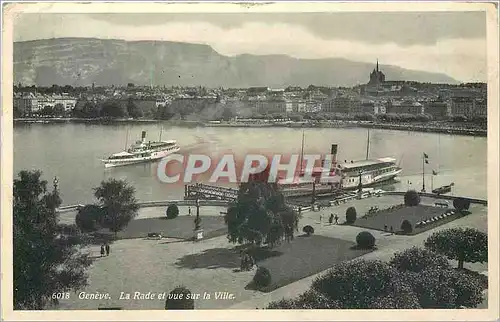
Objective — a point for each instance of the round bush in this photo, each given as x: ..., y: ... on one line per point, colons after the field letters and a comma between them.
x: 461, y: 204
x: 365, y: 240
x: 179, y: 299
x: 172, y: 211
x: 262, y: 277
x: 309, y: 230
x: 412, y: 198
x: 406, y: 227
x: 350, y: 215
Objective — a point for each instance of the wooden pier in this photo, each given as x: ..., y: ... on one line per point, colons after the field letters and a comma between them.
x: 208, y: 192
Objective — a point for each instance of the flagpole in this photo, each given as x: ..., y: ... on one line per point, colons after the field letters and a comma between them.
x: 423, y: 173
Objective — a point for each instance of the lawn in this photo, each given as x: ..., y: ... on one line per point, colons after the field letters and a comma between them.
x: 180, y: 227
x: 302, y: 257
x: 395, y: 217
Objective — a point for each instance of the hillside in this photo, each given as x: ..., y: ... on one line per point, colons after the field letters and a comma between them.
x: 83, y: 61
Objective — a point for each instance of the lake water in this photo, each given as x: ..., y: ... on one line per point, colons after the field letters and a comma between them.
x: 73, y: 153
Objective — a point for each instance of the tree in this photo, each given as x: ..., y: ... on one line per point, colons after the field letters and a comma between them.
x: 406, y: 227
x: 365, y: 240
x: 411, y: 198
x: 46, y: 258
x: 59, y: 110
x: 418, y: 259
x: 132, y: 109
x: 88, y: 218
x: 112, y: 108
x: 308, y: 230
x: 227, y: 114
x: 172, y: 211
x: 461, y: 244
x: 362, y: 284
x: 260, y: 214
x: 165, y: 112
x: 445, y: 289
x: 262, y: 277
x: 118, y: 202
x: 47, y: 111
x: 350, y: 215
x: 461, y: 204
x: 179, y: 298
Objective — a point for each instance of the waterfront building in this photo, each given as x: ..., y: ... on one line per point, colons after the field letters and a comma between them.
x: 25, y: 104
x: 437, y: 108
x: 468, y: 106
x: 404, y: 107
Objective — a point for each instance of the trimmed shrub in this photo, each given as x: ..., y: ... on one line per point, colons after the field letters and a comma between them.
x: 406, y: 227
x: 179, y: 299
x: 88, y: 217
x: 461, y: 204
x: 350, y: 215
x: 412, y: 198
x: 172, y: 211
x: 262, y: 277
x: 308, y: 230
x: 365, y: 240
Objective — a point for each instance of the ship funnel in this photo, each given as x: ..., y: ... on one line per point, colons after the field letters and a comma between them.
x: 143, y: 137
x: 334, y: 152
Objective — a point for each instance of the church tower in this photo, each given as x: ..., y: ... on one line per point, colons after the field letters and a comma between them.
x: 376, y: 76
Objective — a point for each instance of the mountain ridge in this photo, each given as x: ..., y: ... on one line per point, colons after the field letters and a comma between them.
x: 83, y: 61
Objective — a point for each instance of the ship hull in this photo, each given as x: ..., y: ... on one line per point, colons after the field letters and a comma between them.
x: 370, y: 181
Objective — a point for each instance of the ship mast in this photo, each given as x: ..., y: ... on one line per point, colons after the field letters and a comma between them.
x: 302, y: 153
x: 126, y: 140
x: 368, y: 145
x: 423, y: 172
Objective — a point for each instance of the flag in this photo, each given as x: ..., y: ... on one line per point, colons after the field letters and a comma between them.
x: 434, y: 173
x: 425, y: 155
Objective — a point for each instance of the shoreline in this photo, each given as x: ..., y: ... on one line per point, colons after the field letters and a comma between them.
x: 445, y: 127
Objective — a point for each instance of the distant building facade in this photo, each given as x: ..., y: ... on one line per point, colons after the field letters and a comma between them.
x: 438, y: 109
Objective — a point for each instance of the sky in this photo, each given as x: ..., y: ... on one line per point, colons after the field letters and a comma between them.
x: 453, y: 43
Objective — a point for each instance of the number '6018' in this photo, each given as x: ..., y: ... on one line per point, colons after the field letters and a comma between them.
x: 60, y: 296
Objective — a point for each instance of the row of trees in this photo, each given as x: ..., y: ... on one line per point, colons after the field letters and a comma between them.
x: 388, y: 117
x: 110, y: 109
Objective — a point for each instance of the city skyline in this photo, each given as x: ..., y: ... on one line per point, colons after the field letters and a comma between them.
x: 453, y: 43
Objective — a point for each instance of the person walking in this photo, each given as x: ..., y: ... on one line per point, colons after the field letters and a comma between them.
x: 102, y: 250
x: 336, y: 219
x: 330, y: 220
x: 108, y: 249
x: 189, y: 211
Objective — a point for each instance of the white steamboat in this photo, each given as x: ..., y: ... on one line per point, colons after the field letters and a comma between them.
x: 142, y: 151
